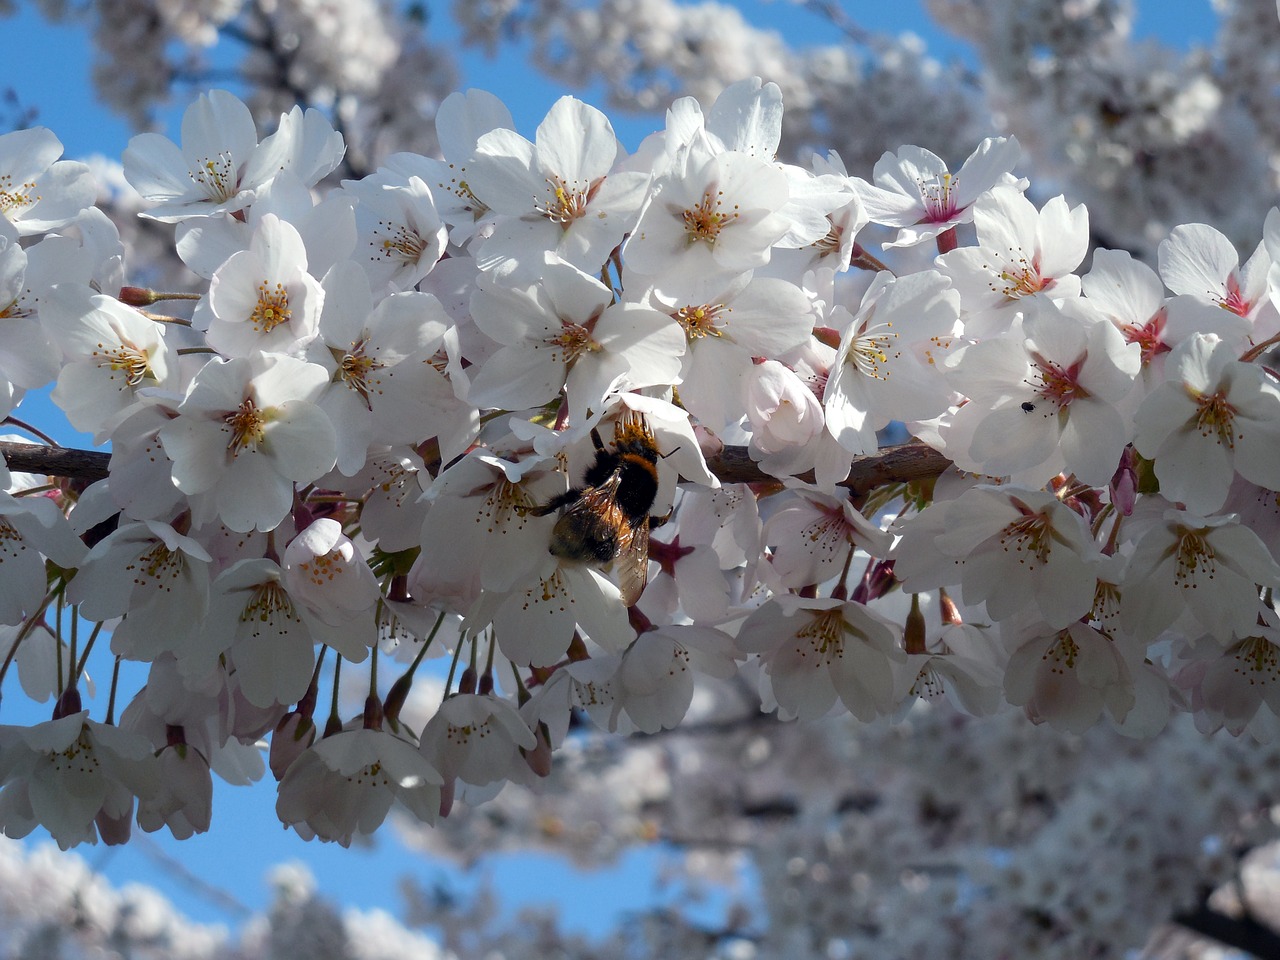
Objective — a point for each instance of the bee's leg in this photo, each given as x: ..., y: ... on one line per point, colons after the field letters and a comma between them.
x: 595, y: 439
x: 552, y: 505
x: 659, y: 521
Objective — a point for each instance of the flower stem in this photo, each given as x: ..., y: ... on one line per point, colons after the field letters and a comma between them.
x: 111, y: 698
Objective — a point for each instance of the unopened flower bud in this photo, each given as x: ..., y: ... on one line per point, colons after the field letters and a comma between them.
x: 396, y: 697
x: 293, y: 734
x: 914, y: 633
x: 114, y: 830
x: 138, y: 296
x: 1124, y: 485
x: 539, y: 758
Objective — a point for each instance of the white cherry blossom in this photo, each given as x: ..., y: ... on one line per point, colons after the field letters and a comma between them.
x: 746, y: 118
x: 816, y: 653
x: 475, y: 738
x: 37, y: 659
x: 245, y: 432
x: 1130, y: 294
x: 536, y: 619
x: 914, y: 191
x: 324, y: 571
x: 221, y: 166
x: 1212, y: 418
x: 1209, y: 567
x: 715, y: 212
x: 1021, y: 254
x: 477, y: 531
x: 726, y: 322
x: 184, y: 802
x: 1197, y: 260
x: 691, y: 578
x: 156, y: 576
x: 784, y: 416
x: 1068, y: 677
x: 112, y: 355
x: 400, y: 236
x: 564, y: 332
x: 394, y: 509
x: 268, y: 635
x: 887, y: 364
x: 31, y: 529
x: 383, y: 389
x: 813, y: 534
x: 28, y: 358
x: 72, y: 775
x: 327, y: 227
x: 558, y: 194
x: 344, y: 786
x: 1237, y: 686
x: 39, y: 192
x: 1012, y: 549
x: 654, y: 685
x: 1043, y: 400
x: 263, y: 299
x: 461, y: 119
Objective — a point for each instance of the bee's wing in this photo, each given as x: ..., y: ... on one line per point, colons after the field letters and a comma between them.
x: 597, y: 507
x: 592, y: 526
x: 633, y: 561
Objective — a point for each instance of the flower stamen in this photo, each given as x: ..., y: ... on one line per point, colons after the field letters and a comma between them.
x: 248, y: 428
x: 707, y: 320
x: 217, y: 176
x: 706, y: 220
x: 396, y: 241
x: 272, y: 308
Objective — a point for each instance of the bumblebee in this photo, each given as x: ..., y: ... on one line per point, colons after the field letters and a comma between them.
x: 607, y: 518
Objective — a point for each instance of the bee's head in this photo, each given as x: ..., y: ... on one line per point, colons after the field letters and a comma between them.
x: 632, y: 435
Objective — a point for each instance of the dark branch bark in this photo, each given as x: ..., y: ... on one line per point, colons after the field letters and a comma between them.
x: 1243, y: 933
x: 900, y: 464
x: 88, y: 465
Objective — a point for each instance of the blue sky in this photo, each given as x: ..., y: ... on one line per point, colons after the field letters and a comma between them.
x: 49, y: 70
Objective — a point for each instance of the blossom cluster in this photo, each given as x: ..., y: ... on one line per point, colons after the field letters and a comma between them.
x: 57, y: 905
x: 486, y: 404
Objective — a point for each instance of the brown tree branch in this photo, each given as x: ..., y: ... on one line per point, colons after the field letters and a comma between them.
x: 898, y: 464
x: 87, y: 465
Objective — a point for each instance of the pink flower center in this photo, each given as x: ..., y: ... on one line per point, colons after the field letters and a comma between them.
x: 1057, y: 384
x: 1234, y: 301
x: 1148, y: 336
x: 939, y: 202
